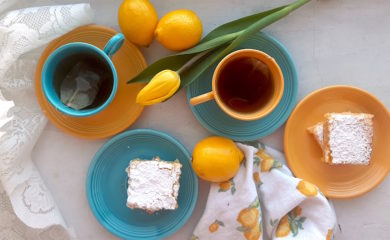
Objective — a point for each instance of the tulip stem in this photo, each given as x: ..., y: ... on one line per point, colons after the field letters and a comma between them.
x: 192, y: 61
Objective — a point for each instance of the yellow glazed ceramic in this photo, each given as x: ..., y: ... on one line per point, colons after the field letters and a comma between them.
x: 304, y: 155
x: 122, y: 111
x: 278, y: 82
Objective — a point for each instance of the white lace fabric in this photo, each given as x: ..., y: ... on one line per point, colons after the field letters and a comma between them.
x: 27, y: 209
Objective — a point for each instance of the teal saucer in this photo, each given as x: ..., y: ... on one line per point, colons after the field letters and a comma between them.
x: 219, y: 123
x: 106, y: 185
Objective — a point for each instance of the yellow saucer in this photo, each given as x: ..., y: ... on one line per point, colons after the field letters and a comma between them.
x: 304, y: 155
x: 122, y: 111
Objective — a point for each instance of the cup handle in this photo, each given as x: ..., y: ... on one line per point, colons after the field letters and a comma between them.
x: 202, y: 98
x: 114, y: 44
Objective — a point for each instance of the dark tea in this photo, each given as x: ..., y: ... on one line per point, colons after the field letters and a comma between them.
x: 83, y: 81
x: 245, y: 84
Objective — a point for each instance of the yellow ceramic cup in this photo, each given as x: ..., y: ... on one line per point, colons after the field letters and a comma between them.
x: 262, y: 111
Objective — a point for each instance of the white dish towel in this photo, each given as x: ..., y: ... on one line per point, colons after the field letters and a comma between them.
x: 265, y: 201
x: 27, y: 209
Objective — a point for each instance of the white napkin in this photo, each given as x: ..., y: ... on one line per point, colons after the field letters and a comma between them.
x: 22, y: 31
x: 291, y: 208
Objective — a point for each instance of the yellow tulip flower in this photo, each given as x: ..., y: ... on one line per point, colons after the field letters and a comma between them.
x: 162, y: 86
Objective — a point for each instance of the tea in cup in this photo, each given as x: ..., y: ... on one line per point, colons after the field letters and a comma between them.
x: 247, y: 85
x: 79, y: 79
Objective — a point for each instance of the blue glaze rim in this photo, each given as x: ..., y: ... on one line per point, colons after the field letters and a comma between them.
x: 280, y: 121
x: 52, y: 97
x: 114, y: 44
x: 95, y: 160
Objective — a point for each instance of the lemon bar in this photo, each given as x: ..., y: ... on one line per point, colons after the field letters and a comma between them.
x: 318, y: 133
x: 153, y: 185
x: 348, y: 138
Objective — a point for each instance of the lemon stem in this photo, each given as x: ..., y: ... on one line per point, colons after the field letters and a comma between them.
x: 192, y: 61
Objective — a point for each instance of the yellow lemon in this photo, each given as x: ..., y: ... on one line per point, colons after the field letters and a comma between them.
x: 267, y: 164
x: 213, y: 227
x: 179, y: 30
x: 307, y: 189
x: 283, y: 228
x: 138, y: 20
x: 254, y: 233
x: 216, y: 159
x: 248, y: 217
x: 160, y: 88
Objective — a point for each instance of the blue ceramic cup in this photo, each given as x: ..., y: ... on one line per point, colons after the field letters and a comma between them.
x: 54, y: 71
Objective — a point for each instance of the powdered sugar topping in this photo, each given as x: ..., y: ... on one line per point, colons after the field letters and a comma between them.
x: 350, y: 138
x: 153, y: 184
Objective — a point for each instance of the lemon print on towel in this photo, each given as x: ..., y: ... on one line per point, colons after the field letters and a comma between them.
x: 249, y: 218
x: 291, y: 223
x: 262, y: 154
x: 283, y: 229
x: 256, y: 179
x: 269, y: 163
x: 227, y: 185
x: 307, y: 189
x: 215, y: 225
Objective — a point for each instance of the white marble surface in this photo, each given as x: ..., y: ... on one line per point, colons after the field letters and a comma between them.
x: 331, y: 41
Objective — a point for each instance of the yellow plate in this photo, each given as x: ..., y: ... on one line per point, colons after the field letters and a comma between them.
x: 122, y: 111
x: 303, y: 153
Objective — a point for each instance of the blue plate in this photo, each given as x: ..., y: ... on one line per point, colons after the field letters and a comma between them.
x: 107, y: 185
x: 219, y: 123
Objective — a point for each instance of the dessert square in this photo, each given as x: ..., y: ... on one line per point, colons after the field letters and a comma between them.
x: 347, y: 138
x: 318, y: 133
x: 153, y: 185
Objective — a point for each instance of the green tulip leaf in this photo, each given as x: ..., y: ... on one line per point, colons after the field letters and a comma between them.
x: 189, y: 75
x: 200, y: 66
x: 173, y: 63
x: 215, y: 45
x: 238, y: 25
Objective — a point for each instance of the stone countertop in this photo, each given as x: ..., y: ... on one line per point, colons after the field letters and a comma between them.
x: 331, y: 42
